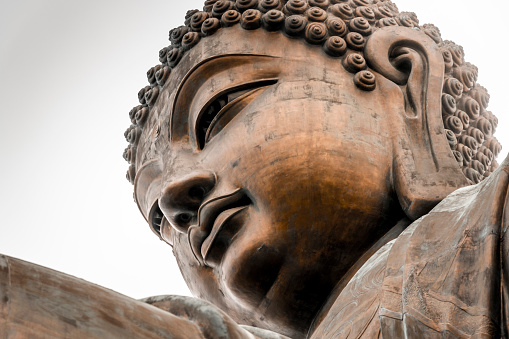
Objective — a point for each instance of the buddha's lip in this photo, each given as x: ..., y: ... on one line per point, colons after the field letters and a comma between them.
x: 212, y: 215
x: 222, y: 219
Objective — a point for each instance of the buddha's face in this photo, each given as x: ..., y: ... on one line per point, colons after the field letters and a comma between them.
x: 276, y: 173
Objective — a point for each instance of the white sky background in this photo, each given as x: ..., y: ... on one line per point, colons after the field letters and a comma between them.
x: 70, y: 72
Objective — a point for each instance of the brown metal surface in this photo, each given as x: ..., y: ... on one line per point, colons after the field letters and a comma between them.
x: 293, y: 153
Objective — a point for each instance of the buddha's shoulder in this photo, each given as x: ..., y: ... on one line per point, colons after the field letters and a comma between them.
x: 440, y: 276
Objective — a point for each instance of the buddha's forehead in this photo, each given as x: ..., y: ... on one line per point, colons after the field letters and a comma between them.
x: 231, y: 57
x: 231, y: 47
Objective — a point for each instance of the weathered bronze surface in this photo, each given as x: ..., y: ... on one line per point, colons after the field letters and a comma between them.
x: 293, y: 154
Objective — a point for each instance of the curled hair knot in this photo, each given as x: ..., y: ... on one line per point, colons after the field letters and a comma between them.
x: 459, y: 157
x: 273, y: 20
x: 480, y: 94
x: 188, y: 16
x: 471, y: 107
x: 453, y: 87
x: 220, y: 7
x: 358, y: 3
x: 176, y: 34
x: 294, y: 7
x: 482, y: 158
x: 141, y: 94
x: 210, y: 26
x: 162, y: 54
x: 466, y: 76
x: 251, y: 19
x: 384, y: 22
x: 494, y: 146
x: 230, y: 18
x: 335, y: 46
x: 190, y: 40
x: 354, y: 63
x: 132, y: 116
x: 448, y: 62
x: 366, y: 13
x: 454, y: 124
x: 476, y: 133
x: 355, y: 41
x: 151, y: 74
x: 141, y: 115
x: 448, y: 104
x: 469, y: 142
x: 162, y: 75
x: 478, y: 166
x: 173, y: 57
x: 466, y: 152
x: 295, y: 25
x: 484, y: 125
x: 323, y: 4
x: 465, y: 120
x: 244, y: 5
x: 151, y: 95
x: 342, y: 11
x: 406, y: 19
x: 472, y: 175
x: 208, y: 5
x: 383, y: 12
x: 360, y: 25
x: 265, y: 6
x: 336, y: 26
x: 315, y: 33
x: 365, y: 80
x: 451, y: 139
x: 316, y: 14
x: 197, y: 20
x: 433, y: 32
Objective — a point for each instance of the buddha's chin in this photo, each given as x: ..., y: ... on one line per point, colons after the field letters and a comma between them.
x: 250, y: 274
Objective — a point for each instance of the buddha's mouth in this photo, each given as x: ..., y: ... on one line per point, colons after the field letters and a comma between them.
x: 219, y: 220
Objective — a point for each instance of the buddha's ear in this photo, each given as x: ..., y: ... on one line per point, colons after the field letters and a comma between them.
x: 425, y: 170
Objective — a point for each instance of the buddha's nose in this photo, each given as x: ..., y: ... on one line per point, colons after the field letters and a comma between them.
x: 182, y: 198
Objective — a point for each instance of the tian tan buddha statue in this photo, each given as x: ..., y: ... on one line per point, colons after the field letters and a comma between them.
x: 321, y: 169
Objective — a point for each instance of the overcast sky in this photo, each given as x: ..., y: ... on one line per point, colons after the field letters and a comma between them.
x: 70, y: 72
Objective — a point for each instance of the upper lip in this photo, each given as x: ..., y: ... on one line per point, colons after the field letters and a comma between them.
x: 207, y: 215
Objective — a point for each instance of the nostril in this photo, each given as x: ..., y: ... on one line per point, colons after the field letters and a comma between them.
x: 197, y: 193
x: 182, y: 221
x: 181, y: 199
x: 184, y: 218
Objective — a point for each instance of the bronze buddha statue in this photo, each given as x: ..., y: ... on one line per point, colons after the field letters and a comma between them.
x: 292, y: 153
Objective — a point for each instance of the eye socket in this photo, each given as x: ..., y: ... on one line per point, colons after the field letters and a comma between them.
x: 224, y: 107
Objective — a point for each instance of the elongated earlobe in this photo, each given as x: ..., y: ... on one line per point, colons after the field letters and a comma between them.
x: 425, y: 170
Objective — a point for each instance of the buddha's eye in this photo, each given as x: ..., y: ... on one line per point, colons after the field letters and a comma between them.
x: 223, y: 108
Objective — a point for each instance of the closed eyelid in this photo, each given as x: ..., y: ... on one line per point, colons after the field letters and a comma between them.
x: 234, y: 100
x: 219, y: 72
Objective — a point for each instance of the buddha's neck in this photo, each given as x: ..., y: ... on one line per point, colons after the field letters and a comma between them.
x: 392, y: 234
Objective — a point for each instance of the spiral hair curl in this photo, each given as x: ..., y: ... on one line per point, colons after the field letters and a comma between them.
x: 341, y: 27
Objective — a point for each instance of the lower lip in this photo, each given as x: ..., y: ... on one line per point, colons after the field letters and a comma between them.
x: 223, y: 219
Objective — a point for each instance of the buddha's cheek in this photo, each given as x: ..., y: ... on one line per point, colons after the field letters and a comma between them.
x: 250, y: 268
